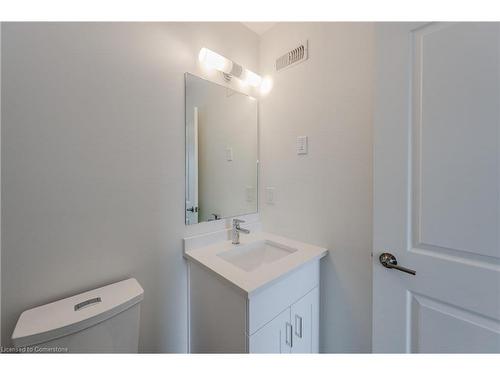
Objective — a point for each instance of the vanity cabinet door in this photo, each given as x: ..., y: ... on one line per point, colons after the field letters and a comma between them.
x: 304, y: 318
x: 274, y: 337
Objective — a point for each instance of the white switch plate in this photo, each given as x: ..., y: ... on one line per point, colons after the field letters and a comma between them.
x: 302, y: 145
x: 270, y: 195
x: 249, y: 193
x: 229, y: 154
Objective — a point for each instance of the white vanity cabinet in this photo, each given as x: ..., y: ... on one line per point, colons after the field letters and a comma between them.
x: 279, y: 317
x: 295, y: 330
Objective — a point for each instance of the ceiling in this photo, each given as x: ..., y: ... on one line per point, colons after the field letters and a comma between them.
x: 259, y: 27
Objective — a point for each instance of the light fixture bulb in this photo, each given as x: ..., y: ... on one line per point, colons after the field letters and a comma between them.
x: 266, y: 85
x: 251, y: 78
x: 212, y: 60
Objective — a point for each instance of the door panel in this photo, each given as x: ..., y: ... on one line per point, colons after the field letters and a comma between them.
x: 273, y: 337
x: 436, y: 187
x: 455, y: 158
x: 304, y: 315
x: 443, y: 328
x: 192, y: 168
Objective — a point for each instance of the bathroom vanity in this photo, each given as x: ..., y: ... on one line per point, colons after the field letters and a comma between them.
x: 259, y: 296
x: 254, y: 293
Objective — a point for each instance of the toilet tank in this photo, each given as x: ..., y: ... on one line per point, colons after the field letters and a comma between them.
x: 103, y: 320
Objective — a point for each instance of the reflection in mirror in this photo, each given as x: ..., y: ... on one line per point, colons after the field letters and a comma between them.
x: 221, y: 151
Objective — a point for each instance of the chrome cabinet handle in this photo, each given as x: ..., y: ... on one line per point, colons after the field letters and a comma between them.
x: 389, y: 261
x: 298, y: 326
x: 288, y: 335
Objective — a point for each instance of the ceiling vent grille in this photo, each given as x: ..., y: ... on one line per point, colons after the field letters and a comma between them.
x: 293, y: 57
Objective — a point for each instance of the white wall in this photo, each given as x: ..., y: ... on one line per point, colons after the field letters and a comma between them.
x: 324, y: 197
x: 93, y: 162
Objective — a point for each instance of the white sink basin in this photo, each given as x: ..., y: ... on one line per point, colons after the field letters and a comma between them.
x: 249, y: 257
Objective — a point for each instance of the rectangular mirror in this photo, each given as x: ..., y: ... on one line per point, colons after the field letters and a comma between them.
x: 221, y: 151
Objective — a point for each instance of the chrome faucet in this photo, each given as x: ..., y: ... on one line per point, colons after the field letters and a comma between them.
x: 235, y: 234
x: 214, y: 217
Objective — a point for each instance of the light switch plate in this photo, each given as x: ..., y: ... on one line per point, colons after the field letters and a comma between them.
x: 302, y: 145
x: 229, y: 154
x: 249, y: 193
x: 270, y: 195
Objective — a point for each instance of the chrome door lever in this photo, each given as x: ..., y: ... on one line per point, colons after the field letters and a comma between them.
x: 389, y: 261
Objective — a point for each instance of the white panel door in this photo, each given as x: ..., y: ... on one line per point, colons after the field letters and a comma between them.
x: 304, y: 319
x: 437, y: 188
x: 274, y: 337
x: 192, y: 168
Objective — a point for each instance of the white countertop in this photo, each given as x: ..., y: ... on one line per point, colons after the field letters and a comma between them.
x: 252, y: 281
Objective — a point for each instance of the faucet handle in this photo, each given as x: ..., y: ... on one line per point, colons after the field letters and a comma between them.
x: 238, y: 221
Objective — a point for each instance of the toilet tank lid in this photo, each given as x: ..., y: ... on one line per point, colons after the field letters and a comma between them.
x: 72, y: 314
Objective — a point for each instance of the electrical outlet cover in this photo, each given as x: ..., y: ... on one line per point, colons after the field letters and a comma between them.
x: 270, y: 195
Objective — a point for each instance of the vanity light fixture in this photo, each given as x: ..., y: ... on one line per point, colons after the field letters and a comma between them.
x: 229, y: 68
x: 251, y: 78
x: 266, y: 85
x: 213, y: 60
